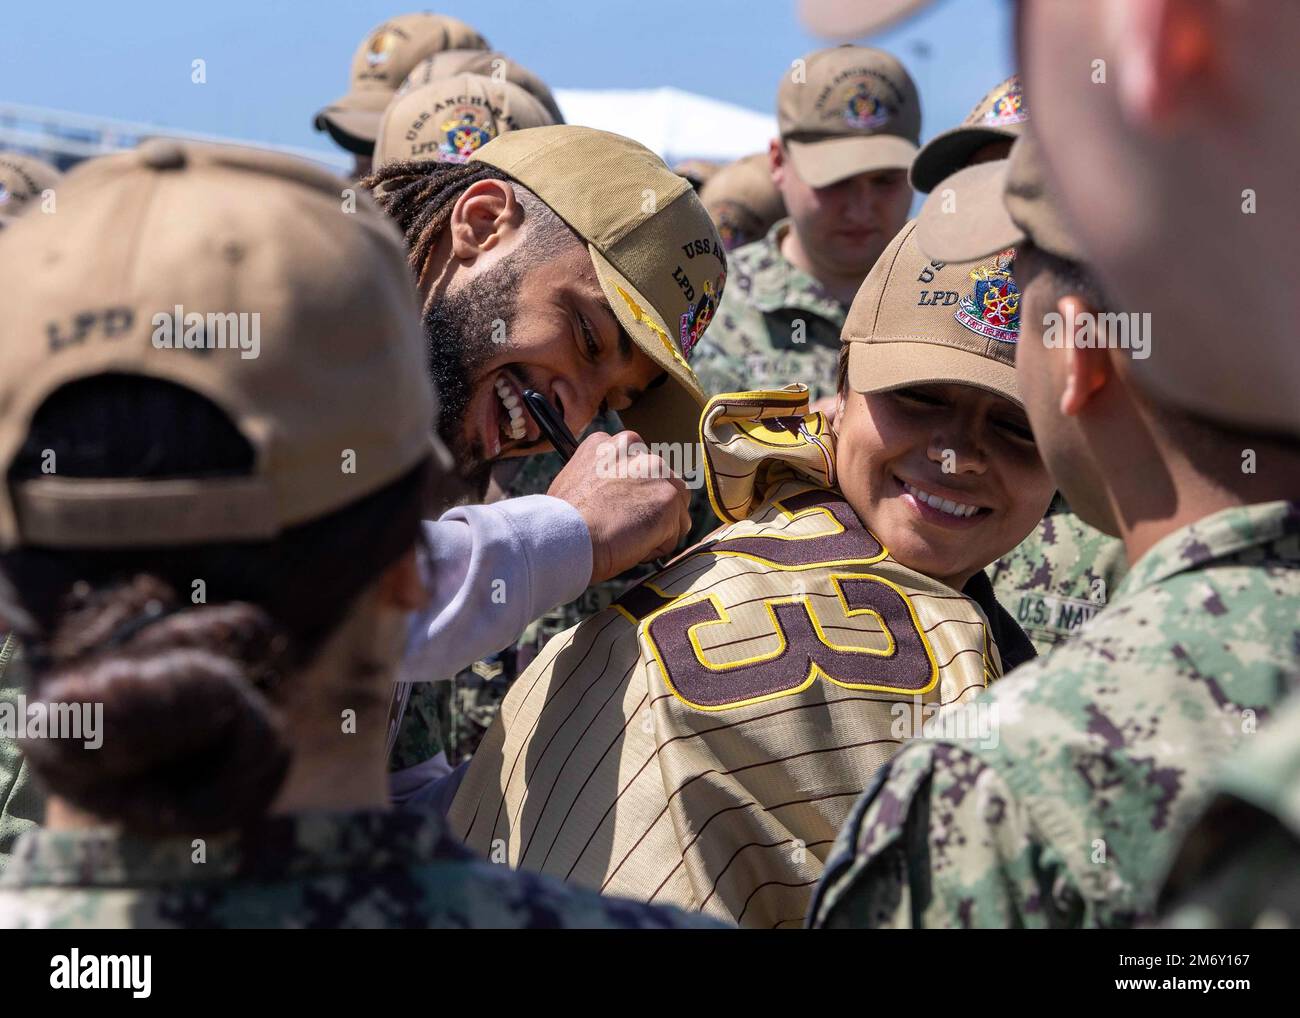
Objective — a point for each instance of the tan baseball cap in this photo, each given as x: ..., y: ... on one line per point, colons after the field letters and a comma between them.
x: 234, y: 273
x: 449, y: 119
x: 845, y: 111
x: 742, y: 200
x: 23, y: 180
x: 992, y: 206
x: 387, y: 55
x: 489, y: 63
x: 999, y: 116
x: 845, y: 19
x: 917, y: 321
x: 657, y: 254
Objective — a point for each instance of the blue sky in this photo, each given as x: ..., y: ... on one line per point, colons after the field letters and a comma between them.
x: 272, y: 63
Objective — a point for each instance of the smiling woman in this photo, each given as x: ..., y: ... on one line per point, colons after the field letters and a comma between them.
x: 948, y: 475
x: 935, y: 449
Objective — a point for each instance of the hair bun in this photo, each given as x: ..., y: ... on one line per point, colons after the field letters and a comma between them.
x: 188, y: 743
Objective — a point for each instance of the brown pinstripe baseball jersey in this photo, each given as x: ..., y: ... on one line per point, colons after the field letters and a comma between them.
x: 701, y: 741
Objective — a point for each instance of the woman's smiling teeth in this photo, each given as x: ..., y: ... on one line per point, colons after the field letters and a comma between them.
x: 945, y: 505
x: 513, y: 426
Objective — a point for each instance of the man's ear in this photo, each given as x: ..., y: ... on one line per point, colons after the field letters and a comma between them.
x: 400, y: 587
x: 1087, y: 369
x: 776, y: 161
x: 483, y: 216
x: 1167, y: 57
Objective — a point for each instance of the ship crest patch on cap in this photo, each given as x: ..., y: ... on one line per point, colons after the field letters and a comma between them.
x: 381, y: 48
x: 863, y: 110
x: 463, y: 135
x: 992, y: 309
x: 698, y: 315
x: 1008, y: 108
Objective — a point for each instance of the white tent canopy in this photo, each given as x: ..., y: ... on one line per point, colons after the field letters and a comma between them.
x: 671, y: 122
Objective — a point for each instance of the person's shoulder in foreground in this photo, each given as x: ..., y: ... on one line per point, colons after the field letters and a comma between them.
x: 1104, y: 754
x: 316, y: 870
x: 1240, y: 865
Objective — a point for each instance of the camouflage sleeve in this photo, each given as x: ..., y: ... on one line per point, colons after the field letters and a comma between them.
x: 717, y: 370
x: 940, y: 841
x: 22, y: 801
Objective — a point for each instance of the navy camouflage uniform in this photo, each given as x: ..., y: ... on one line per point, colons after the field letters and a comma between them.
x: 1240, y: 865
x: 1105, y: 751
x: 360, y: 869
x: 1058, y: 577
x: 774, y: 325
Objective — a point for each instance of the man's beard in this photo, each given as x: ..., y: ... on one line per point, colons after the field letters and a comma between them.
x: 460, y: 331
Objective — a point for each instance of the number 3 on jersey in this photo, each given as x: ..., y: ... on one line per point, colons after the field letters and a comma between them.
x: 906, y: 665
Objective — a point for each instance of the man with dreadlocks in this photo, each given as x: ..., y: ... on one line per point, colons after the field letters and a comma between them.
x: 445, y: 118
x: 573, y: 262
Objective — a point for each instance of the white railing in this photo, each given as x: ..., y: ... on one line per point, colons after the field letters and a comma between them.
x: 66, y: 137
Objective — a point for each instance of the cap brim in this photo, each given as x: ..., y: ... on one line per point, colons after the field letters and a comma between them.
x: 353, y: 121
x: 880, y: 365
x: 830, y: 160
x: 972, y: 222
x: 844, y: 19
x: 670, y: 412
x: 947, y: 153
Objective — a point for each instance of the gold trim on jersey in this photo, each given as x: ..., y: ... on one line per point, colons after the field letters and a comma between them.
x: 815, y: 670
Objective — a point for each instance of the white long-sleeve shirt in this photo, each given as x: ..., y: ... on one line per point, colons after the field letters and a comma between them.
x: 491, y: 570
